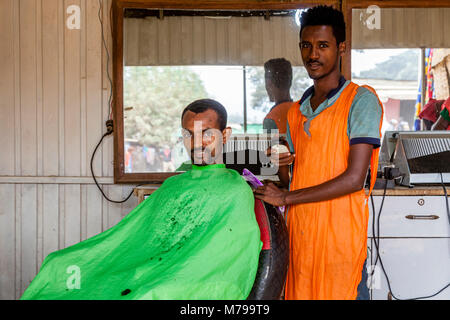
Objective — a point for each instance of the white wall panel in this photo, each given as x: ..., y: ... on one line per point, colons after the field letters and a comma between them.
x: 50, y: 219
x: 28, y: 87
x: 7, y: 114
x: 94, y: 207
x: 72, y: 98
x: 28, y: 235
x: 54, y: 94
x: 7, y: 242
x: 72, y: 215
x: 50, y: 83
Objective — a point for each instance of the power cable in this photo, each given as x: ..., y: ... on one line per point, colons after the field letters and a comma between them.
x: 93, y: 175
x: 377, y: 242
x: 109, y: 123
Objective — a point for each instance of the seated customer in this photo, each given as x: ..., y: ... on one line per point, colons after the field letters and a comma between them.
x: 196, y: 237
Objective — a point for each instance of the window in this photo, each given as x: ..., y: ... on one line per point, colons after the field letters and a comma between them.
x: 394, y: 74
x: 400, y: 51
x: 155, y: 49
x: 154, y: 98
x: 402, y: 86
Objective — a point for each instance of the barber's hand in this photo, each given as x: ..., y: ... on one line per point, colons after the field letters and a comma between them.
x: 280, y: 159
x: 271, y: 194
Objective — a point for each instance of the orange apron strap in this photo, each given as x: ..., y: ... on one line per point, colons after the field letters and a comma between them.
x: 376, y: 152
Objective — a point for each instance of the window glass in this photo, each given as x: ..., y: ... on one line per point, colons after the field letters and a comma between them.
x: 154, y: 98
x: 258, y: 103
x: 394, y: 74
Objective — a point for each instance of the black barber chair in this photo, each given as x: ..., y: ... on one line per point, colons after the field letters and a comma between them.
x: 274, y: 256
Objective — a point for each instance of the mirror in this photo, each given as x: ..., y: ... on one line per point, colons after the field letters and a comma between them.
x: 173, y: 57
x: 403, y: 53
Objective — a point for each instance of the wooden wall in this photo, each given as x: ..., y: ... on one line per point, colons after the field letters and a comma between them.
x: 252, y: 41
x: 53, y: 105
x: 210, y: 41
x: 403, y: 28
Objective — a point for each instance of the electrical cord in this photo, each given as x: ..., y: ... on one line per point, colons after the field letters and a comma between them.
x: 377, y: 242
x: 100, y: 9
x: 110, y: 124
x: 446, y: 197
x: 93, y: 175
x: 378, y: 221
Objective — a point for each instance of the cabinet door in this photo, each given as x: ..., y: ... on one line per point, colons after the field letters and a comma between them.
x: 415, y: 268
x: 431, y: 211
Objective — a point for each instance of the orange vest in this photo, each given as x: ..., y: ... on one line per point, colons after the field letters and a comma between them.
x: 279, y: 115
x: 328, y: 239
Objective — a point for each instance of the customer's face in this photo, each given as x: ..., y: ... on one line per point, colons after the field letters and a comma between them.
x: 203, y: 138
x: 319, y: 51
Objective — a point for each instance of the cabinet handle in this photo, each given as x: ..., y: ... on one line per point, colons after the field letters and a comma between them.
x: 422, y: 217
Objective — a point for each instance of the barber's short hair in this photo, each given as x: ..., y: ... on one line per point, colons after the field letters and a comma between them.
x: 324, y: 15
x: 279, y: 71
x: 202, y: 105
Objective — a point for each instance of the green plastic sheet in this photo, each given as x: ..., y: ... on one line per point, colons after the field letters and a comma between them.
x: 196, y: 237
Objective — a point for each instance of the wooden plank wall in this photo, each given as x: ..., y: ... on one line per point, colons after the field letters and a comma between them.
x: 203, y: 40
x: 252, y: 41
x: 403, y: 28
x: 53, y: 104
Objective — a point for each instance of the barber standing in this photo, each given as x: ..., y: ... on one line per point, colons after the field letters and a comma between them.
x: 334, y: 131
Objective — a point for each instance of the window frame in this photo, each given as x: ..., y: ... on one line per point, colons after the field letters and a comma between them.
x: 349, y: 5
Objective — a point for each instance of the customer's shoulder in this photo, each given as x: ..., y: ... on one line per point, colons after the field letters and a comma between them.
x: 237, y: 181
x: 175, y: 179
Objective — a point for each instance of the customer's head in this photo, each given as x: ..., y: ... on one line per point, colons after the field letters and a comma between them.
x: 278, y: 77
x: 322, y: 40
x: 205, y: 131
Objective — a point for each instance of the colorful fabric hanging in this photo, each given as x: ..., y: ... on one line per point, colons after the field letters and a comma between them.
x: 429, y: 93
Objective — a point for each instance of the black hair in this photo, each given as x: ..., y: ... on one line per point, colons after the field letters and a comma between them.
x: 202, y: 105
x: 279, y: 71
x: 324, y: 15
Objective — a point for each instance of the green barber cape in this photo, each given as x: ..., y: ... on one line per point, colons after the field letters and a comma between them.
x: 196, y: 237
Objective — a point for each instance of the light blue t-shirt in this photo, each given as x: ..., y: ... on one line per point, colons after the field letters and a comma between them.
x: 363, y: 119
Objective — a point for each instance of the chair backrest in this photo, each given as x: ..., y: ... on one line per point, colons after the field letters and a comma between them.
x: 274, y: 256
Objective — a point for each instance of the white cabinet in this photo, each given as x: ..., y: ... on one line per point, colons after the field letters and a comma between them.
x: 415, y: 252
x: 429, y: 212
